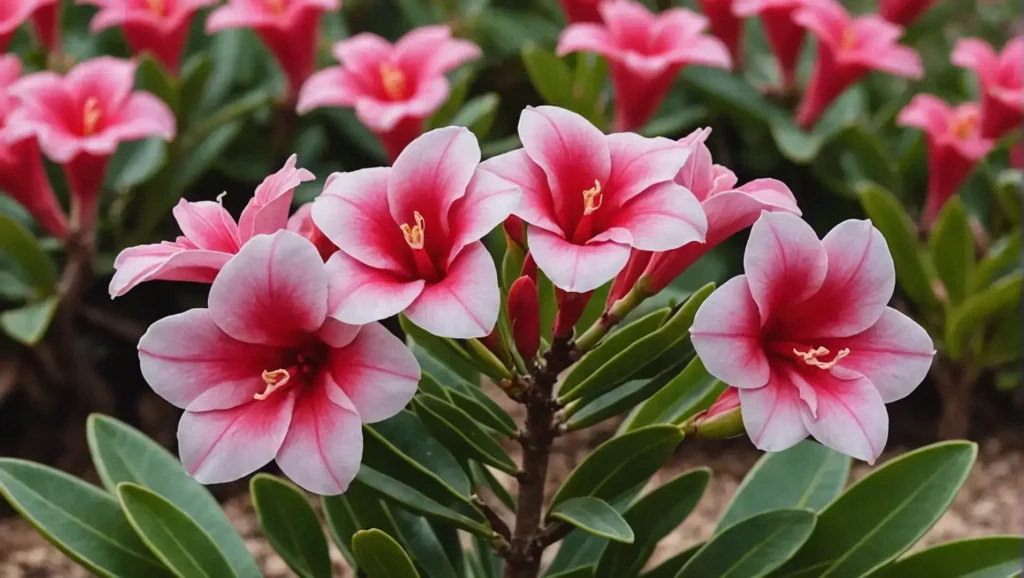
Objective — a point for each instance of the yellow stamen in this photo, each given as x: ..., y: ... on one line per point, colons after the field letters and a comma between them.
x: 393, y: 80
x: 156, y: 6
x: 811, y: 357
x: 964, y: 124
x: 276, y: 6
x: 275, y: 380
x: 91, y: 115
x: 414, y: 235
x: 849, y: 41
x: 592, y: 198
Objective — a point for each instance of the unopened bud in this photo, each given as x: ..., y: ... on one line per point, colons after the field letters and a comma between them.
x: 529, y: 268
x: 524, y: 315
x: 722, y: 420
x: 515, y: 231
x: 570, y: 309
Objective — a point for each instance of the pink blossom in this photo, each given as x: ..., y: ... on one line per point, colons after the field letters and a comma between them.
x: 645, y: 51
x: 22, y: 174
x: 807, y: 339
x: 289, y: 28
x: 393, y: 88
x: 301, y: 222
x: 210, y: 236
x: 589, y: 199
x: 955, y: 145
x: 847, y: 49
x: 265, y: 373
x: 903, y: 12
x: 581, y: 10
x: 726, y: 26
x: 409, y: 237
x: 81, y: 118
x: 159, y: 27
x: 14, y: 13
x: 782, y: 31
x: 1002, y: 82
x: 729, y: 209
x: 46, y: 22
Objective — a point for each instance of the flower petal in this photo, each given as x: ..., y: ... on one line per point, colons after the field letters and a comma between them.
x: 166, y: 262
x: 586, y: 37
x: 274, y: 292
x: 772, y: 415
x: 141, y: 116
x: 976, y: 55
x: 107, y: 79
x: 430, y: 51
x: 785, y: 262
x: 576, y: 268
x: 851, y: 416
x: 330, y: 87
x: 324, y: 444
x: 729, y: 212
x: 207, y: 224
x: 267, y: 210
x: 639, y: 162
x: 224, y: 445
x: 465, y: 303
x: 536, y: 205
x: 377, y: 372
x: 726, y: 334
x: 488, y: 202
x: 927, y: 113
x: 663, y: 217
x: 363, y: 54
x: 360, y: 294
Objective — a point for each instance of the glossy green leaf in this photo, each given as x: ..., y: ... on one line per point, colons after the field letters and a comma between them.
x: 422, y: 543
x: 173, y: 537
x: 806, y: 476
x: 195, y: 74
x: 290, y: 524
x: 752, y: 548
x: 341, y: 522
x: 802, y: 147
x: 952, y: 247
x: 346, y: 122
x: 620, y: 464
x: 972, y: 315
x: 456, y: 98
x: 122, y: 453
x: 135, y: 163
x: 81, y: 520
x: 669, y: 568
x: 676, y: 122
x: 460, y: 433
x: 1005, y: 342
x: 28, y: 324
x: 988, y: 557
x: 619, y: 400
x: 578, y: 572
x: 482, y: 477
x: 550, y: 76
x: 198, y: 159
x: 412, y: 499
x: 687, y: 393
x: 442, y: 349
x: 722, y: 89
x: 24, y: 251
x: 1003, y: 255
x: 653, y: 517
x: 478, y: 114
x: 594, y: 516
x: 152, y: 77
x: 226, y: 50
x: 1008, y: 194
x: 380, y: 556
x: 889, y: 217
x: 883, y: 514
x: 588, y: 85
x: 641, y: 352
x: 483, y: 409
x: 578, y: 549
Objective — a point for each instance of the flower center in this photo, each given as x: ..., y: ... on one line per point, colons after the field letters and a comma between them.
x: 592, y: 198
x: 276, y: 6
x: 275, y: 380
x: 156, y: 6
x: 91, y: 115
x: 303, y: 368
x: 415, y: 238
x: 393, y: 80
x: 964, y: 125
x: 813, y: 356
x: 414, y: 235
x: 849, y: 40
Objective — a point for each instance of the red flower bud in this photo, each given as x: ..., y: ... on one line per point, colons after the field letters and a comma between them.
x: 570, y: 309
x: 515, y: 231
x: 529, y: 268
x: 721, y: 421
x: 524, y: 315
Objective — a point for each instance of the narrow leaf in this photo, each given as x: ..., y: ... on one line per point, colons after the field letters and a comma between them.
x: 290, y: 524
x: 690, y: 391
x: 549, y: 75
x: 971, y: 316
x: 753, y: 547
x: 461, y: 433
x: 380, y: 556
x: 952, y: 247
x: 24, y: 250
x: 28, y: 324
x: 594, y: 516
x: 988, y: 557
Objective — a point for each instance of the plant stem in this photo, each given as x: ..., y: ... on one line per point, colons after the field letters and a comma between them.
x: 619, y: 310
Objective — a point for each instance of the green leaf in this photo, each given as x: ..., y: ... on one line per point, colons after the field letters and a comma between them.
x: 122, y: 453
x: 753, y: 547
x: 578, y: 572
x: 577, y: 549
x: 690, y: 391
x: 1008, y: 194
x: 442, y: 349
x: 988, y: 557
x: 135, y: 163
x: 802, y: 147
x: 173, y: 537
x: 345, y: 121
x: 152, y: 77
x: 460, y: 433
x: 722, y: 89
x: 457, y: 96
x: 888, y: 215
x: 227, y: 49
x: 618, y: 400
x: 641, y: 352
x: 587, y: 86
x: 342, y: 524
x: 24, y: 250
x: 482, y: 477
x: 620, y: 464
x: 1005, y: 342
x: 1002, y: 256
x: 971, y: 316
x: 549, y: 75
x: 594, y: 516
x: 80, y: 520
x: 194, y: 75
x: 422, y: 544
x: 290, y: 524
x: 806, y: 476
x: 952, y: 247
x: 675, y: 123
x: 478, y: 114
x: 391, y: 489
x: 482, y: 409
x: 669, y: 568
x: 196, y: 161
x: 380, y: 556
x: 653, y: 517
x: 883, y: 514
x: 28, y: 324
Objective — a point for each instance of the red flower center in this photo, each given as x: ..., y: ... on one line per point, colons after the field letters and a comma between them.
x: 592, y: 200
x: 276, y: 6
x: 965, y: 124
x: 91, y: 116
x: 415, y: 237
x: 849, y: 41
x: 393, y: 80
x: 156, y: 6
x: 300, y: 367
x: 820, y: 357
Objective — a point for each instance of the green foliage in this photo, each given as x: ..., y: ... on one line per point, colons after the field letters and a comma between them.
x: 595, y: 516
x: 289, y: 522
x: 766, y: 540
x: 380, y: 556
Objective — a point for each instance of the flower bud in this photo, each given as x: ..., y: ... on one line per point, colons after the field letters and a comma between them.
x: 722, y: 420
x: 529, y: 268
x: 524, y: 315
x: 570, y: 309
x: 515, y: 231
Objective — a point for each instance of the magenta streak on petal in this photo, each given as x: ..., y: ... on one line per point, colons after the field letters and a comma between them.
x: 319, y: 444
x: 213, y: 446
x: 768, y: 419
x: 857, y: 420
x: 467, y: 309
x: 382, y: 370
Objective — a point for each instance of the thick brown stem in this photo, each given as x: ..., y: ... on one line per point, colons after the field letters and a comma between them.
x: 956, y: 386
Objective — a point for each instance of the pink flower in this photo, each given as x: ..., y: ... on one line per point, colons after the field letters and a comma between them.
x: 726, y: 26
x: 393, y: 88
x: 847, y: 49
x: 589, y: 199
x: 81, y: 118
x: 22, y: 174
x: 46, y: 22
x: 645, y: 51
x: 265, y: 373
x: 159, y: 27
x: 289, y: 28
x: 783, y: 32
x: 807, y: 338
x: 955, y: 145
x: 1002, y: 82
x: 409, y: 237
x: 903, y: 12
x: 729, y: 209
x: 301, y: 222
x: 210, y: 236
x: 581, y: 10
x: 14, y: 13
